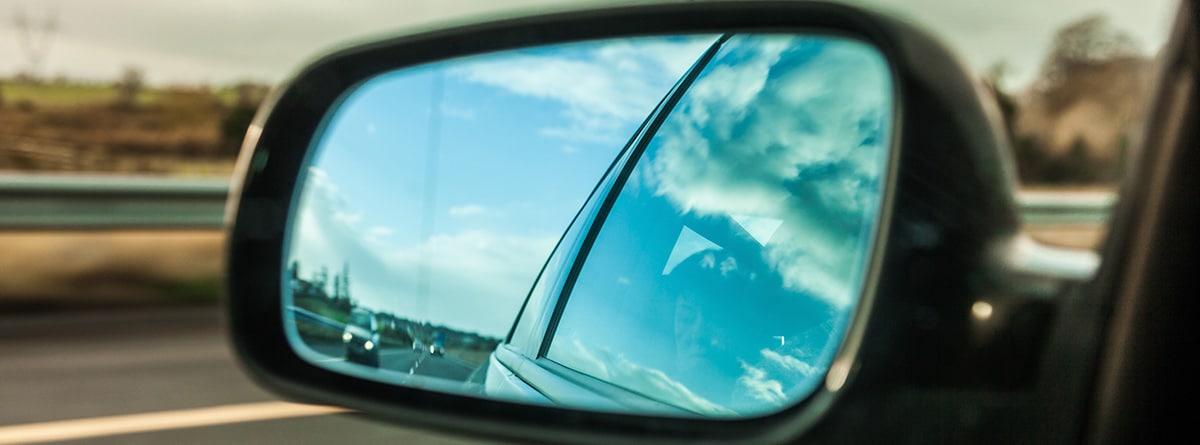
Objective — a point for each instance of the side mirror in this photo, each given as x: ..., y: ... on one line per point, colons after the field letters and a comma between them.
x: 665, y: 222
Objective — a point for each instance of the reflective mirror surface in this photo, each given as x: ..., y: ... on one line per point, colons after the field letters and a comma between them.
x: 675, y: 225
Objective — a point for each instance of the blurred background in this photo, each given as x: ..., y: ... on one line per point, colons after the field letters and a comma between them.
x: 120, y: 123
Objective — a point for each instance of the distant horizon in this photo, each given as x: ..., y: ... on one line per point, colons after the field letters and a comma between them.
x: 16, y: 78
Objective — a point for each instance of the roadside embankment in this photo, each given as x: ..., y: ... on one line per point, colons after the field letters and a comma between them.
x: 106, y: 267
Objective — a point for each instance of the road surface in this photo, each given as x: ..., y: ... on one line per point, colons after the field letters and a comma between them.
x: 406, y: 360
x: 172, y: 368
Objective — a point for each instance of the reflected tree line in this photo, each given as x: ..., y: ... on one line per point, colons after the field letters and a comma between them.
x: 329, y: 297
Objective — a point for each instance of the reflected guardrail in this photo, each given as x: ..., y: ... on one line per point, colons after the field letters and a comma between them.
x: 312, y: 317
x: 94, y: 202
x: 100, y: 202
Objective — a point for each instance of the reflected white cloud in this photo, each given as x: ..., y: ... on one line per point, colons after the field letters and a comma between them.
x: 809, y: 151
x: 650, y: 382
x: 776, y: 379
x: 746, y: 223
x: 791, y: 363
x: 618, y: 81
x: 761, y: 388
x: 487, y: 272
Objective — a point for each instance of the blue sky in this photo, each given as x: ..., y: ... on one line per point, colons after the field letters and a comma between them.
x: 520, y: 140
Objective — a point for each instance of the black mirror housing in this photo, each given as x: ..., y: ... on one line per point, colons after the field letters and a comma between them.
x: 949, y: 206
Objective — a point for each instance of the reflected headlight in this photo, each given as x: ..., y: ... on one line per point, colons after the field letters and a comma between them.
x: 346, y: 336
x: 369, y: 345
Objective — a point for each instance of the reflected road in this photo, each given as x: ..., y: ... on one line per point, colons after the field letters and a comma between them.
x: 401, y: 359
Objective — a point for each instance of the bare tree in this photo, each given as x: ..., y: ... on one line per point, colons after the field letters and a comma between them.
x: 1072, y: 123
x: 1081, y: 45
x: 34, y: 38
x: 129, y: 87
x: 248, y: 94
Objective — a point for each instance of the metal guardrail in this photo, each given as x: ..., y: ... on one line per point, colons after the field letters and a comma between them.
x: 96, y: 202
x: 92, y: 202
x: 1054, y: 208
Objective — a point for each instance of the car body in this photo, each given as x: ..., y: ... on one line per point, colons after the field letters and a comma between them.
x: 438, y: 347
x: 361, y: 338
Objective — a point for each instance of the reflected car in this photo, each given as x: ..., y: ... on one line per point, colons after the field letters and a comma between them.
x: 438, y: 347
x: 418, y: 346
x: 361, y: 338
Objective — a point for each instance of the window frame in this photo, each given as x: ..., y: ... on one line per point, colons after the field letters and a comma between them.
x: 592, y: 216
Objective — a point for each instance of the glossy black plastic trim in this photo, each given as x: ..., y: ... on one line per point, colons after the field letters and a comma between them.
x: 933, y: 92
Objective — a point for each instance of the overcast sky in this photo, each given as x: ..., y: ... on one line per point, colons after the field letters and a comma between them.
x: 218, y: 41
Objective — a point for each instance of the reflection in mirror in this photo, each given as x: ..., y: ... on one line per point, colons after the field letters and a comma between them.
x: 435, y: 240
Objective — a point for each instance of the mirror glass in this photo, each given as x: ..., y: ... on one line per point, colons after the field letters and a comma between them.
x: 675, y: 225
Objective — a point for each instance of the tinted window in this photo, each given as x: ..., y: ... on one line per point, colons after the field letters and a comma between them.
x: 726, y: 271
x: 362, y: 319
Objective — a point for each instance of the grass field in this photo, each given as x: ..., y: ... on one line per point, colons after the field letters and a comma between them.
x: 81, y: 128
x: 61, y: 94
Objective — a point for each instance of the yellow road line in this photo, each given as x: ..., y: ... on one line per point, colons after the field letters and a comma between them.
x: 60, y: 430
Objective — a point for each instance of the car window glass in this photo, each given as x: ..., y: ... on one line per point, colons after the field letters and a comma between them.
x: 724, y: 275
x: 531, y: 316
x: 362, y: 319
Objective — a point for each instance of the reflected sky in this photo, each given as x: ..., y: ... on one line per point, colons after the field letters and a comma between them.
x: 444, y: 187
x: 725, y: 275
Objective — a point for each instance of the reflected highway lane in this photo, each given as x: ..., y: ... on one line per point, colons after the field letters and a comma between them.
x: 401, y: 359
x: 165, y: 364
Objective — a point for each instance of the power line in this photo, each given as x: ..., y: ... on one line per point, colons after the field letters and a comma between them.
x: 34, y: 38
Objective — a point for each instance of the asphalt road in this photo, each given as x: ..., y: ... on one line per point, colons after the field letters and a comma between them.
x: 406, y: 360
x: 162, y: 364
